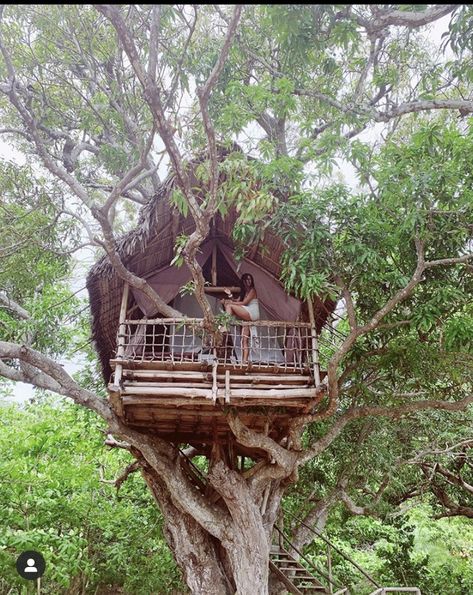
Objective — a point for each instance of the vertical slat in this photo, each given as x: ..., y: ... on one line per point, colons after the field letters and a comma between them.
x: 227, y: 386
x: 214, y: 379
x: 315, y: 346
x: 121, y: 335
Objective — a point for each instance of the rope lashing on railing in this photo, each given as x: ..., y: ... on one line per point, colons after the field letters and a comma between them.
x: 286, y: 345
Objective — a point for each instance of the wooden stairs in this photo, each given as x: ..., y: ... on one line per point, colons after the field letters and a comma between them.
x: 295, y: 577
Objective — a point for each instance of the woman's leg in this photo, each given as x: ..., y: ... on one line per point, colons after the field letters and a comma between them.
x: 245, y: 334
x: 241, y: 312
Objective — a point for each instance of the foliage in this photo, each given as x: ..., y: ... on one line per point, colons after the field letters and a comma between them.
x: 300, y: 85
x: 53, y: 500
x: 34, y: 240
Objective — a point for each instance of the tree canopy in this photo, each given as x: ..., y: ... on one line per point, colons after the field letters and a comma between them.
x: 348, y: 132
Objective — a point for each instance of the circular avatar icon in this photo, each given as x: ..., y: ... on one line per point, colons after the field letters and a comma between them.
x: 30, y: 565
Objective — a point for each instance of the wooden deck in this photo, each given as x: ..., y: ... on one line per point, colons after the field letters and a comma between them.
x: 174, y: 379
x: 187, y: 402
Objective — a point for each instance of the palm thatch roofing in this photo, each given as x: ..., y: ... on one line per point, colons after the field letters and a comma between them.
x: 150, y: 247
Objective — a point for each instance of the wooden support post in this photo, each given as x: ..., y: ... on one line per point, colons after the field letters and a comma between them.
x: 214, y: 265
x: 329, y: 568
x: 121, y: 337
x: 227, y: 386
x: 214, y: 380
x: 315, y: 345
x: 232, y: 456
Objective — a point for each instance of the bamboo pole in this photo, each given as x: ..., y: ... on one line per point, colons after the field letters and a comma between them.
x: 221, y: 289
x: 214, y: 265
x: 206, y: 377
x: 227, y: 386
x: 315, y: 346
x: 197, y: 321
x: 208, y: 384
x: 182, y: 391
x: 121, y: 337
x: 329, y: 568
x: 214, y: 380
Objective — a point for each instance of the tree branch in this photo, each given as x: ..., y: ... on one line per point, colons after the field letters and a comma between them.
x: 10, y: 304
x: 55, y: 378
x: 423, y: 105
x: 360, y: 412
x: 410, y: 19
x: 249, y: 438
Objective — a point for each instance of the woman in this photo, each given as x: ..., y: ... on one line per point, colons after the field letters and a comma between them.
x: 246, y: 307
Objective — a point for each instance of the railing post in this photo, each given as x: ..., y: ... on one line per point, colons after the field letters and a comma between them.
x: 121, y: 335
x: 315, y: 345
x: 214, y: 379
x: 214, y: 265
x: 329, y: 568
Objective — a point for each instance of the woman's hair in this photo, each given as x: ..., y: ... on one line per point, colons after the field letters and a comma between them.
x: 243, y: 289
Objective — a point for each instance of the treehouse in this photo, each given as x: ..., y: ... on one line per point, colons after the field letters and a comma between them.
x: 173, y: 378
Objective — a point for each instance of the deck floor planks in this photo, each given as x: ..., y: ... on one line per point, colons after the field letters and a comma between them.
x: 181, y: 408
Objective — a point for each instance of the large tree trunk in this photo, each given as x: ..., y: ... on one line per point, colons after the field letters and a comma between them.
x: 238, y: 562
x: 195, y: 551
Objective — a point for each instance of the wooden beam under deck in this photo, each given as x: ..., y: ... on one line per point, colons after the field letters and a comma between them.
x: 177, y: 405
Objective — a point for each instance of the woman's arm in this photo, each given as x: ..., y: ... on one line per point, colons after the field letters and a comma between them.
x: 251, y: 295
x: 230, y: 299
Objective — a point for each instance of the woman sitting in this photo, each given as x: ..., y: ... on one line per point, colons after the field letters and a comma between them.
x: 246, y: 307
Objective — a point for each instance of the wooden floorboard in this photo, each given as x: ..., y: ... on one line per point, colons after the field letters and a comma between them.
x: 173, y: 400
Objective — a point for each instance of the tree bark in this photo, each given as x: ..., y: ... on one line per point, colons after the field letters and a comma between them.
x: 237, y: 563
x: 195, y: 551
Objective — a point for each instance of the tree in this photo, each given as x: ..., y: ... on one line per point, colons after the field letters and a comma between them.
x: 61, y: 491
x: 98, y: 96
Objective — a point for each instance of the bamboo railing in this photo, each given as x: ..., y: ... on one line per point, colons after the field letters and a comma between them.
x: 287, y: 346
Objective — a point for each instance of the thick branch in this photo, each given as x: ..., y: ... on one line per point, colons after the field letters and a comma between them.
x: 10, y: 304
x: 410, y: 19
x: 61, y: 383
x: 193, y: 548
x: 360, y: 412
x: 465, y: 106
x: 251, y: 439
x: 163, y: 458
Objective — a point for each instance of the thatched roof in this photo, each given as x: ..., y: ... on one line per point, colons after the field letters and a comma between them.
x: 149, y: 247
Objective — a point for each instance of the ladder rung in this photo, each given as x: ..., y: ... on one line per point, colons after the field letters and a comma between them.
x: 292, y: 569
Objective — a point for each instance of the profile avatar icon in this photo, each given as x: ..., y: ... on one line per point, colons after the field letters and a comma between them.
x: 30, y: 565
